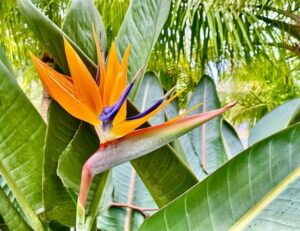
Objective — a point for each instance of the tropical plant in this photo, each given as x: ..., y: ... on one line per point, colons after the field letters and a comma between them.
x: 49, y: 169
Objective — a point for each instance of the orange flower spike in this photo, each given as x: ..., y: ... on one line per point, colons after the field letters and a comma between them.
x: 101, y: 67
x: 62, y: 90
x: 112, y: 71
x: 121, y: 82
x: 86, y: 89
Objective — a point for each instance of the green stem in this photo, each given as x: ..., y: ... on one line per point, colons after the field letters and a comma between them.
x: 80, y: 217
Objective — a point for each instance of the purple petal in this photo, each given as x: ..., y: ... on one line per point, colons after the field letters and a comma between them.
x: 146, y: 112
x: 109, y: 113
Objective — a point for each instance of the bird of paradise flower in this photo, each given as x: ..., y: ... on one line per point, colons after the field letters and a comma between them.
x: 102, y: 103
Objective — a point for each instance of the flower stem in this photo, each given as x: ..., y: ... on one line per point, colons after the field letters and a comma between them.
x: 85, y: 184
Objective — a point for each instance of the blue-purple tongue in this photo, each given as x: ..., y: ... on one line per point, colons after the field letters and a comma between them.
x: 109, y: 113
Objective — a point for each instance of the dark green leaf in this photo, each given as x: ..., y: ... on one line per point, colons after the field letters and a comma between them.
x: 81, y: 16
x: 143, y: 23
x: 49, y: 34
x: 60, y: 131
x: 70, y: 165
x: 22, y: 136
x: 46, y: 31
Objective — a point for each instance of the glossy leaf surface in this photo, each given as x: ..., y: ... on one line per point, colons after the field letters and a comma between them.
x: 278, y: 119
x: 258, y: 189
x: 142, y: 24
x: 21, y: 145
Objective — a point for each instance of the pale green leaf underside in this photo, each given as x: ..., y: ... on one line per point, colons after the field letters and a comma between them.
x: 278, y: 119
x: 282, y: 213
x: 258, y: 179
x: 206, y: 147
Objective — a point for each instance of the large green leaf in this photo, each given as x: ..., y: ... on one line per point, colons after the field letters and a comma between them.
x: 207, y: 147
x: 77, y: 152
x: 11, y: 215
x: 278, y: 119
x: 13, y: 220
x: 231, y: 140
x: 143, y: 23
x: 49, y: 34
x: 257, y: 190
x: 82, y: 15
x: 21, y: 145
x: 60, y: 131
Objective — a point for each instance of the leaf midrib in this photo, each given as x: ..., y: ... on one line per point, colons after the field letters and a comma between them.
x: 29, y: 213
x: 265, y: 201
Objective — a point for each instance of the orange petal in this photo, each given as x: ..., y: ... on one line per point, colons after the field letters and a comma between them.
x: 63, y: 93
x: 101, y: 63
x: 113, y: 68
x: 128, y: 126
x: 64, y: 80
x: 86, y: 89
x: 121, y: 78
x: 121, y: 82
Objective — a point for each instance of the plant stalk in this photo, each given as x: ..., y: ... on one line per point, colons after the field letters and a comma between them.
x: 85, y: 184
